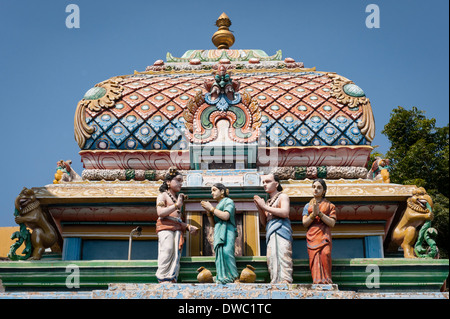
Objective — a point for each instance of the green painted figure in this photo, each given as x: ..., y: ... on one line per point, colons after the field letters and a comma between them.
x: 23, y: 235
x: 225, y: 233
x: 427, y: 236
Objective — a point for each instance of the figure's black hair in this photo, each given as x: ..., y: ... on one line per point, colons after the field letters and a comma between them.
x: 276, y: 177
x: 223, y: 188
x: 171, y: 174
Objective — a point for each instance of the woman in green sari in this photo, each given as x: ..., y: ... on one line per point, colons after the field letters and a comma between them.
x: 224, y: 233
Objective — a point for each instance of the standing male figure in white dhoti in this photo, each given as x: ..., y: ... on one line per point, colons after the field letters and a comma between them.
x: 170, y: 227
x: 274, y: 215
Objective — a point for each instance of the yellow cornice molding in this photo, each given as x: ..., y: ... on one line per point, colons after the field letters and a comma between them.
x: 354, y: 190
x: 98, y: 192
x: 146, y: 191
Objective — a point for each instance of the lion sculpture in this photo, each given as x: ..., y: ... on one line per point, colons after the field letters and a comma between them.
x: 418, y: 211
x: 31, y: 214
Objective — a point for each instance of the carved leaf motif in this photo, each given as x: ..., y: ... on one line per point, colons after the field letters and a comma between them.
x: 113, y: 91
x: 198, y: 99
x: 246, y: 98
x: 367, y: 123
x: 338, y: 92
x: 254, y: 109
x: 191, y: 108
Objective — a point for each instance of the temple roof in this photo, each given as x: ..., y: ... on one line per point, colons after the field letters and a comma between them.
x: 160, y: 108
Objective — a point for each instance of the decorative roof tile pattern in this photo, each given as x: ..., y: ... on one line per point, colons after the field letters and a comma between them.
x: 298, y: 109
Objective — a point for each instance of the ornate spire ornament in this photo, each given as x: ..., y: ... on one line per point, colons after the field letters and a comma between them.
x: 223, y: 38
x: 222, y: 91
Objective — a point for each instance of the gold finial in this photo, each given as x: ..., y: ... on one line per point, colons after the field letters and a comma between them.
x: 223, y: 38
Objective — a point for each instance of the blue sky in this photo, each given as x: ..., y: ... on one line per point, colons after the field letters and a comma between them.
x: 46, y: 67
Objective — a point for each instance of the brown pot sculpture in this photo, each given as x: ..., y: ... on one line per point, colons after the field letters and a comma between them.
x: 248, y: 274
x: 204, y: 275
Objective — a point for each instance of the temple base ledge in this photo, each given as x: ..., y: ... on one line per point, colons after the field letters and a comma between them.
x: 219, y: 292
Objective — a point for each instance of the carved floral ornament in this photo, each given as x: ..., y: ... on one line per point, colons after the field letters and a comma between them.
x: 203, y: 113
x: 352, y: 96
x: 101, y: 96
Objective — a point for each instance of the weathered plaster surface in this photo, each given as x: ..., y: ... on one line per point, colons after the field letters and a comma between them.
x: 217, y: 291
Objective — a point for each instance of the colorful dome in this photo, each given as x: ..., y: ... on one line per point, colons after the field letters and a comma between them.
x: 266, y: 100
x: 298, y: 108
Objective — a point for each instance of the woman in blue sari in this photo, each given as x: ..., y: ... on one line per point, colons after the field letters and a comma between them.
x: 225, y: 233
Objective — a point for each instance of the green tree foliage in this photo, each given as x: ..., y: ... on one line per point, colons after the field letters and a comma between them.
x: 419, y: 150
x: 419, y: 156
x: 441, y: 222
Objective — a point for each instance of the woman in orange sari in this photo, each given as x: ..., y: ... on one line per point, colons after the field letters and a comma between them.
x: 319, y: 216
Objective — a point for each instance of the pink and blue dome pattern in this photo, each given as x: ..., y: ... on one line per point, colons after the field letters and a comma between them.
x: 298, y: 109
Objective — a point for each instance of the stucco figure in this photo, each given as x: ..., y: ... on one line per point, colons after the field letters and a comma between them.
x: 170, y: 227
x: 30, y: 214
x: 380, y: 170
x: 65, y: 172
x: 418, y: 211
x: 225, y: 234
x: 274, y: 215
x: 319, y: 216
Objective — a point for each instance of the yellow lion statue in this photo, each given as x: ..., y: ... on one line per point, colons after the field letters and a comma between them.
x: 418, y: 211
